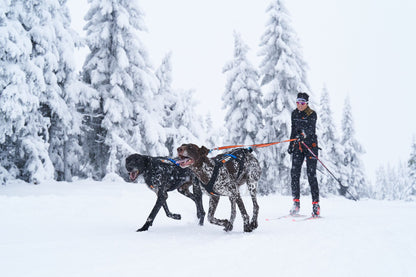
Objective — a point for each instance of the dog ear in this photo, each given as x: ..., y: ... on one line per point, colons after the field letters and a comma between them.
x: 204, y: 151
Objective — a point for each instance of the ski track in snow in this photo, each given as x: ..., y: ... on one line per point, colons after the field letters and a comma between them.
x: 87, y: 228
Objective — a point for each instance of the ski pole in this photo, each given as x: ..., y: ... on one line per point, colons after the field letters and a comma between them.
x: 343, y: 188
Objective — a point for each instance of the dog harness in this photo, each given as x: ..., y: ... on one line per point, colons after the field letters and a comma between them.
x: 220, y: 161
x: 169, y: 160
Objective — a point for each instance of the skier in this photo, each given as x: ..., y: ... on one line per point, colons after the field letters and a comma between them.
x: 303, y: 122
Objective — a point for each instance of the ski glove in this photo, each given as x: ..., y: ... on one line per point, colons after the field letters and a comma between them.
x: 301, y: 137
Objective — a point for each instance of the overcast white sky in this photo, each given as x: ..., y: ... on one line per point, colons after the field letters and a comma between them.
x: 361, y: 48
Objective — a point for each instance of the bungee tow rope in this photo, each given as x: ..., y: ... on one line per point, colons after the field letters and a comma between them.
x: 252, y: 145
x: 343, y: 189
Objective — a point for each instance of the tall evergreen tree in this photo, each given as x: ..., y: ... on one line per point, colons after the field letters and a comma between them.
x: 166, y: 98
x: 352, y: 168
x: 380, y: 188
x: 179, y: 120
x: 242, y: 97
x: 188, y: 126
x: 392, y: 183
x: 52, y: 81
x: 213, y: 137
x: 24, y: 131
x: 54, y: 43
x: 412, y: 168
x: 331, y: 151
x: 283, y: 74
x: 127, y: 119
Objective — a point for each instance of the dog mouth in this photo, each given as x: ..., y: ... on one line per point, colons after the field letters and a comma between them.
x: 185, y: 161
x: 133, y: 175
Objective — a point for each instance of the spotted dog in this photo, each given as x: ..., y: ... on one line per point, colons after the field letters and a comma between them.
x: 222, y: 176
x: 162, y: 175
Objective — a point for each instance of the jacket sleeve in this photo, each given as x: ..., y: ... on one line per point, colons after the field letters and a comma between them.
x: 292, y: 132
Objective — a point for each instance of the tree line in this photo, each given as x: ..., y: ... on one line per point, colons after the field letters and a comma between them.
x: 57, y: 123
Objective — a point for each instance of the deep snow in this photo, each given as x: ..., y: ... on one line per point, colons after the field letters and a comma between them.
x: 87, y: 228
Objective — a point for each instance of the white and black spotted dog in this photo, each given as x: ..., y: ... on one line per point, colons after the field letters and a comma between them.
x: 222, y: 176
x: 162, y: 175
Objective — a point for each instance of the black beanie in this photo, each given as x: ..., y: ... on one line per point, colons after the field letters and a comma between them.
x: 303, y: 95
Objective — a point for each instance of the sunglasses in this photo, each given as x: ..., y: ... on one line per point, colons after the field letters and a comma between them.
x: 301, y: 103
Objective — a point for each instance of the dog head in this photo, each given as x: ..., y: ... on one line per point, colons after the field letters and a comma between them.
x: 191, y: 154
x: 135, y: 165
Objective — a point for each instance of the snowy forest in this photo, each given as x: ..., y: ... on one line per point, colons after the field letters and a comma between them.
x: 57, y: 123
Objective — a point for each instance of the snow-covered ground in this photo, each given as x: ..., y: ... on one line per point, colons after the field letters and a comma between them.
x: 87, y: 228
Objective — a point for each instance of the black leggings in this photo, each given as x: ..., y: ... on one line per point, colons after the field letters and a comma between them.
x: 297, y: 161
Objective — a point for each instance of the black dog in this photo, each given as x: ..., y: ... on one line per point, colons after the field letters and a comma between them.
x: 162, y: 175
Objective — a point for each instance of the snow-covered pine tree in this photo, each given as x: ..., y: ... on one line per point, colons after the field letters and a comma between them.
x: 331, y: 152
x: 127, y: 118
x: 242, y: 97
x: 412, y: 168
x: 402, y: 187
x: 167, y: 99
x: 188, y: 126
x: 23, y: 129
x: 392, y: 183
x: 48, y: 24
x: 380, y: 187
x: 213, y: 137
x: 352, y: 169
x: 181, y: 123
x: 283, y: 75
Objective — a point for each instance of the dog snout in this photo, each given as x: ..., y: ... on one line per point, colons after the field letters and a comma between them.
x: 130, y: 167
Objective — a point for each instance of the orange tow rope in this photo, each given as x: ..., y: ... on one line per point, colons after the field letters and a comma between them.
x: 253, y: 145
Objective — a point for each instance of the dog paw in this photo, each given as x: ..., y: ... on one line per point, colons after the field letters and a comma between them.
x: 144, y: 228
x: 201, y: 217
x: 248, y: 228
x: 254, y: 225
x: 228, y: 226
x: 175, y: 216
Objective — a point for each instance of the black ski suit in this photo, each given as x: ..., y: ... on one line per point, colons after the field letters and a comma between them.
x: 304, y: 123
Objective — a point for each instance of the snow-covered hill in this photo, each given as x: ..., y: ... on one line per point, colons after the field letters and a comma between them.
x: 87, y: 228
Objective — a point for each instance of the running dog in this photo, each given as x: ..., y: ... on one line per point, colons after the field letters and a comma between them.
x: 222, y: 176
x: 162, y: 175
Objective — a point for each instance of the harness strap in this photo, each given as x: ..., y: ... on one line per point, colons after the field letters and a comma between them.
x: 209, y: 187
x: 169, y: 160
x: 173, y: 161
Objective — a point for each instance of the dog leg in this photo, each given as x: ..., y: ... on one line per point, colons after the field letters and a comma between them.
x: 161, y: 198
x: 213, y: 203
x: 256, y: 208
x: 169, y: 214
x: 252, y: 185
x: 230, y: 225
x: 198, y: 202
x: 196, y: 197
x: 244, y: 214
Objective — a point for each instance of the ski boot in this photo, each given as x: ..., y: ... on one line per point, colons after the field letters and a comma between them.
x: 316, y: 210
x: 295, y: 208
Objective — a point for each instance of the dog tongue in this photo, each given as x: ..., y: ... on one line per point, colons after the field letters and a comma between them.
x: 133, y: 175
x: 183, y: 162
